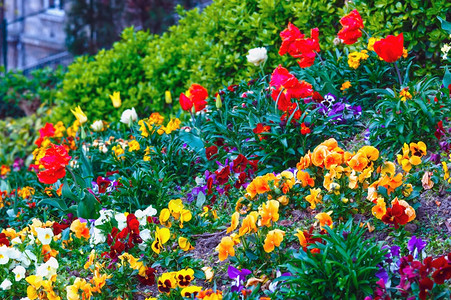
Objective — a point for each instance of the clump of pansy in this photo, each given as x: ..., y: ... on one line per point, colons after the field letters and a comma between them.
x: 232, y: 174
x: 413, y: 274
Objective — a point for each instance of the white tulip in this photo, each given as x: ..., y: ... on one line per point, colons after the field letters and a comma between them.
x: 129, y: 116
x: 257, y: 56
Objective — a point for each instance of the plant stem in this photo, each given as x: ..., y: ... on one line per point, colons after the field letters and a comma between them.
x: 399, y: 74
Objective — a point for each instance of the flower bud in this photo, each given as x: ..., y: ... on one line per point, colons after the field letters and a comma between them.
x: 218, y: 102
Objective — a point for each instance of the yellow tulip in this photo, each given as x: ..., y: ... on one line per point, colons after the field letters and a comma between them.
x: 116, y: 99
x: 80, y: 115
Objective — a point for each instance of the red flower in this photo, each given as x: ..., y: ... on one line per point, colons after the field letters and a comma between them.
x: 426, y: 284
x: 286, y: 87
x: 396, y: 215
x: 317, y: 97
x: 239, y: 164
x: 47, y: 131
x: 54, y: 161
x: 390, y: 49
x: 222, y: 176
x: 352, y: 23
x: 304, y: 129
x: 3, y: 240
x: 195, y: 96
x: 260, y: 129
x: 439, y: 130
x: 295, y: 44
x: 58, y: 228
x: 211, y: 151
x: 149, y: 278
x: 442, y: 274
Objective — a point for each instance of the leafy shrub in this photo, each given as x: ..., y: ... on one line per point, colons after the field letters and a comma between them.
x: 343, y: 268
x: 209, y: 48
x: 89, y: 81
x: 399, y: 119
x: 21, y: 95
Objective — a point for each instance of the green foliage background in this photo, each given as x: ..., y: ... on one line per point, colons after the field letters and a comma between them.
x: 210, y: 48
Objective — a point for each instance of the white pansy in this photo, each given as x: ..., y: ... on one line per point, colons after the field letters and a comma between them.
x: 45, y: 235
x: 26, y: 258
x: 97, y: 126
x: 13, y: 253
x: 121, y: 221
x: 142, y: 215
x: 16, y: 241
x: 145, y: 236
x: 97, y: 237
x: 19, y: 273
x: 257, y: 56
x: 105, y: 216
x: 48, y: 269
x: 150, y: 211
x: 4, y: 257
x: 200, y: 181
x: 6, y: 284
x: 129, y: 116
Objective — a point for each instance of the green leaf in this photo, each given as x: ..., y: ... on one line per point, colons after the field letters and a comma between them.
x: 447, y: 78
x: 58, y: 203
x: 445, y: 25
x: 200, y: 200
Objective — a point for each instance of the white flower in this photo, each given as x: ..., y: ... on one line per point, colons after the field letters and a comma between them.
x: 145, y: 236
x: 13, y: 253
x: 121, y: 221
x: 142, y: 215
x: 97, y: 126
x: 16, y: 241
x: 200, y: 181
x: 45, y: 235
x: 97, y: 237
x: 4, y: 257
x: 105, y: 216
x: 257, y: 56
x: 129, y: 116
x: 26, y: 258
x: 48, y: 269
x: 6, y: 284
x: 19, y: 273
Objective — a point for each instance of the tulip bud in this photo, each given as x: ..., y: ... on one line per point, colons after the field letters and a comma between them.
x: 97, y: 126
x: 168, y: 97
x: 218, y: 102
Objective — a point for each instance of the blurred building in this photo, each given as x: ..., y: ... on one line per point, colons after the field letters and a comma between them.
x: 35, y: 32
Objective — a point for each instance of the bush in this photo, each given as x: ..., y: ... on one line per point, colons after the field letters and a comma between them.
x: 210, y: 47
x: 343, y: 268
x: 89, y: 81
x: 21, y: 95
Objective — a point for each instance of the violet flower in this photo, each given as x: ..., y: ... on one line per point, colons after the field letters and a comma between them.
x: 239, y: 276
x: 416, y: 244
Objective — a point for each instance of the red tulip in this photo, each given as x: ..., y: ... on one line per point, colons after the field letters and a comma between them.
x: 297, y: 45
x: 195, y: 96
x: 391, y: 48
x: 352, y: 23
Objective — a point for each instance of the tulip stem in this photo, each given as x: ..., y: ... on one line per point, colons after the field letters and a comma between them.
x: 399, y: 74
x: 367, y: 35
